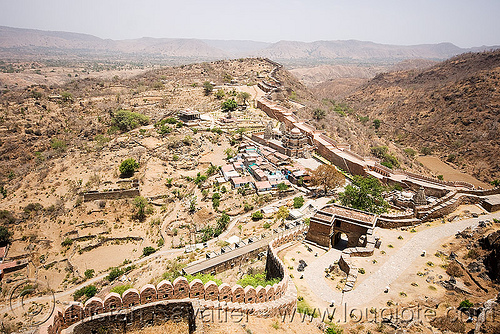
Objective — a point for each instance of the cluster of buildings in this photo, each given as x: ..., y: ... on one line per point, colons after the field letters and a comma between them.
x: 256, y: 167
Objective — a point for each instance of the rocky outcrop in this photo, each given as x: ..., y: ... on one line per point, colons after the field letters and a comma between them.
x: 491, y: 243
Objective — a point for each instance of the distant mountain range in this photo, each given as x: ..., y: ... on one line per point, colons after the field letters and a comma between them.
x: 30, y: 42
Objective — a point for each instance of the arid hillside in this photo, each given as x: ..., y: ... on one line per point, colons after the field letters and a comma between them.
x: 451, y: 109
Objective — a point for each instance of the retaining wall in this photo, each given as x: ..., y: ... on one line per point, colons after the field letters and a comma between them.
x: 113, y: 194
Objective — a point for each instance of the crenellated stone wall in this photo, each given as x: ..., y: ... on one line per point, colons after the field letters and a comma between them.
x: 260, y: 301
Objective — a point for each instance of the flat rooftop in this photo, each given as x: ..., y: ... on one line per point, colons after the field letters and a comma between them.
x: 349, y: 213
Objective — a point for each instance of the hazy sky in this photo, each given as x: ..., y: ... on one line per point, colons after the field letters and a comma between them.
x: 465, y: 23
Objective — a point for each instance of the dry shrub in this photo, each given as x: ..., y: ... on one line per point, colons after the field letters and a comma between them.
x: 445, y: 323
x: 454, y: 270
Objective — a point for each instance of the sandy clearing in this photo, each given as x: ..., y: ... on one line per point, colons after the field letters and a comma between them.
x: 449, y: 173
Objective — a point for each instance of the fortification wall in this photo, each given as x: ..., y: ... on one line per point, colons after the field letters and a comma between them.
x: 113, y: 194
x: 225, y: 265
x: 352, y: 162
x: 261, y: 301
x: 126, y: 320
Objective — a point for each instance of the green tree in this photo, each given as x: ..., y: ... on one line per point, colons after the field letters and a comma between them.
x: 298, y: 202
x: 282, y: 214
x: 318, y: 114
x: 88, y: 291
x: 282, y: 187
x: 244, y: 96
x: 426, y: 150
x: 365, y: 193
x: 212, y: 170
x: 120, y: 289
x: 257, y: 215
x: 376, y: 123
x: 140, y: 204
x: 256, y: 280
x: 495, y: 183
x: 146, y: 251
x: 220, y: 94
x: 114, y: 274
x: 67, y: 242
x: 229, y: 153
x: 5, y: 236
x: 215, y: 201
x: 229, y: 105
x: 89, y: 273
x: 128, y: 167
x: 240, y: 131
x: 126, y: 120
x: 208, y: 88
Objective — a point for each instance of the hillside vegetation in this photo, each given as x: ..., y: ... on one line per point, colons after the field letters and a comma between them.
x: 451, y: 109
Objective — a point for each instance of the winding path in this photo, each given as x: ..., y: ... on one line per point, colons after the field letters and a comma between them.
x: 375, y: 284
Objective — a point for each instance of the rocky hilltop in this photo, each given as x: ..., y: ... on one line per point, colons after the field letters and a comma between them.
x: 451, y: 109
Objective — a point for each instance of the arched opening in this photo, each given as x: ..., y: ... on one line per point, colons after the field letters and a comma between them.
x: 339, y: 240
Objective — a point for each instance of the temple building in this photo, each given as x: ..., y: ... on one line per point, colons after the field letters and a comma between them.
x: 291, y: 142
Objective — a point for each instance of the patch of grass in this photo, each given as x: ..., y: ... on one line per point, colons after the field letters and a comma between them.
x: 203, y: 277
x: 120, y: 289
x: 334, y: 329
x: 432, y: 287
x: 256, y: 280
x: 88, y: 291
x: 304, y: 308
x: 58, y: 144
x: 390, y: 246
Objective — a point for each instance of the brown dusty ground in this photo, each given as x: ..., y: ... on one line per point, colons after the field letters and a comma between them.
x: 449, y: 173
x: 170, y: 327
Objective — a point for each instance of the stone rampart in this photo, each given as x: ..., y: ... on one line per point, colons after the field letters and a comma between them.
x: 260, y: 301
x: 352, y: 162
